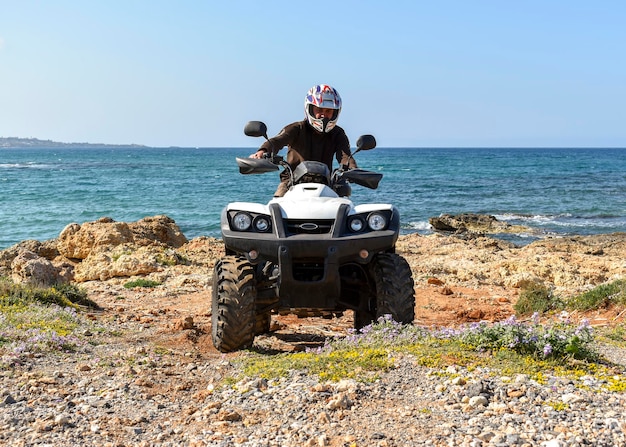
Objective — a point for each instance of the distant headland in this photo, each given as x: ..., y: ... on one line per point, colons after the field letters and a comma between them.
x: 16, y: 143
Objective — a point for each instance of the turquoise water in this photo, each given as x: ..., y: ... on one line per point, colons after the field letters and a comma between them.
x: 563, y: 191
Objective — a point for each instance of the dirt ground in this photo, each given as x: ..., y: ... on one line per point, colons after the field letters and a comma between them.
x: 456, y: 282
x: 182, y: 323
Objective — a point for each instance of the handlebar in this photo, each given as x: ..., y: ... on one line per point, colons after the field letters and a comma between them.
x: 276, y: 159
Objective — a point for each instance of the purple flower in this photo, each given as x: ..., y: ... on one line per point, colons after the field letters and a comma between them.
x: 547, y: 350
x: 511, y: 321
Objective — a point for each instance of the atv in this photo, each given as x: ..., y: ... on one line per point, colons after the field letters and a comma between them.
x: 312, y: 252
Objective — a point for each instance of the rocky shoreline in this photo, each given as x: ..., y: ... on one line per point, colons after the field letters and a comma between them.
x: 149, y: 376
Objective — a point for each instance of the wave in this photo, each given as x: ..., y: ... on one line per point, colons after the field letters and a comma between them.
x: 507, y: 217
x: 25, y: 166
x: 567, y: 223
x: 421, y: 225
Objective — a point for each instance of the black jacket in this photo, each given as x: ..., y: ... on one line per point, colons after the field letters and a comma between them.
x: 305, y: 143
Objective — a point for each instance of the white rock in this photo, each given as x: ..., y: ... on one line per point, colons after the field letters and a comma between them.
x: 476, y: 401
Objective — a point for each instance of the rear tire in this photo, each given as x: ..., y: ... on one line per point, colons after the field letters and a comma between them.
x: 233, y: 304
x: 263, y: 322
x: 393, y: 291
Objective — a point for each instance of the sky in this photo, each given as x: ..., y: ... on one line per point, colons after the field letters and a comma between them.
x: 413, y: 73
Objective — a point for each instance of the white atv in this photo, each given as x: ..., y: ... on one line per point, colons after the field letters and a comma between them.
x: 312, y: 252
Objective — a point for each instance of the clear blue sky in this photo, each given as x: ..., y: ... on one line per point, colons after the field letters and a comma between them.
x: 414, y: 73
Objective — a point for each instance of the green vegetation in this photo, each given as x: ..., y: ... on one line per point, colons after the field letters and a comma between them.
x: 141, y: 282
x: 613, y: 335
x: 536, y: 298
x: 333, y: 365
x: 47, y: 320
x: 510, y: 347
x: 605, y: 295
x: 37, y: 320
x: 61, y: 295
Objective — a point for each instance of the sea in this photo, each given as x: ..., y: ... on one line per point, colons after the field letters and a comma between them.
x: 554, y: 191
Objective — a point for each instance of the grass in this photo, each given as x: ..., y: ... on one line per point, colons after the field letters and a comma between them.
x: 538, y: 298
x: 141, y: 282
x: 603, y: 296
x: 62, y: 295
x: 332, y: 365
x: 614, y: 335
x: 509, y: 347
x: 39, y: 320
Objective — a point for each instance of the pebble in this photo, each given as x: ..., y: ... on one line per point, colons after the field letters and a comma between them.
x: 137, y: 398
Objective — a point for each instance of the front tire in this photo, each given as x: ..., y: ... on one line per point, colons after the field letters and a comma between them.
x: 233, y: 304
x: 393, y: 292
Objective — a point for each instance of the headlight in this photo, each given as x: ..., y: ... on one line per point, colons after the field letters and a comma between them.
x: 262, y: 224
x: 242, y: 221
x: 377, y: 221
x: 356, y: 224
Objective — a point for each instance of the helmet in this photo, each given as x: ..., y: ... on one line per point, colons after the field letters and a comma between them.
x: 326, y: 97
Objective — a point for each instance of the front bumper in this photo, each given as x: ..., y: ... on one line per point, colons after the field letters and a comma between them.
x: 331, y: 250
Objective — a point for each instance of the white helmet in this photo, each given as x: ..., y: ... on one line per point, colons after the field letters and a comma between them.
x: 326, y: 97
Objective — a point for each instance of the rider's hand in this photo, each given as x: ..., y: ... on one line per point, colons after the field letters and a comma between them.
x: 258, y: 154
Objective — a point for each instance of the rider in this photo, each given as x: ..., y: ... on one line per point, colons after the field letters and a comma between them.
x: 316, y: 138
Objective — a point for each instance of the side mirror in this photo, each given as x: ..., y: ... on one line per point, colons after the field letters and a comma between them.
x: 255, y: 129
x: 366, y: 142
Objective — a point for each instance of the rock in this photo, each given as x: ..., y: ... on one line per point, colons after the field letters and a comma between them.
x: 435, y: 281
x: 184, y: 324
x: 523, y: 280
x: 154, y: 246
x: 62, y: 419
x: 446, y: 291
x: 46, y: 250
x: 339, y: 401
x: 98, y: 250
x: 79, y: 241
x: 29, y: 268
x: 121, y: 261
x: 474, y: 223
x: 161, y: 228
x: 478, y: 401
x: 228, y: 415
x: 441, y: 223
x: 567, y: 266
x: 111, y: 249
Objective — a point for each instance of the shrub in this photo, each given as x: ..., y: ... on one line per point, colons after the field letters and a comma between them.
x: 62, y: 295
x: 536, y: 298
x: 605, y: 295
x: 538, y: 340
x: 76, y: 295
